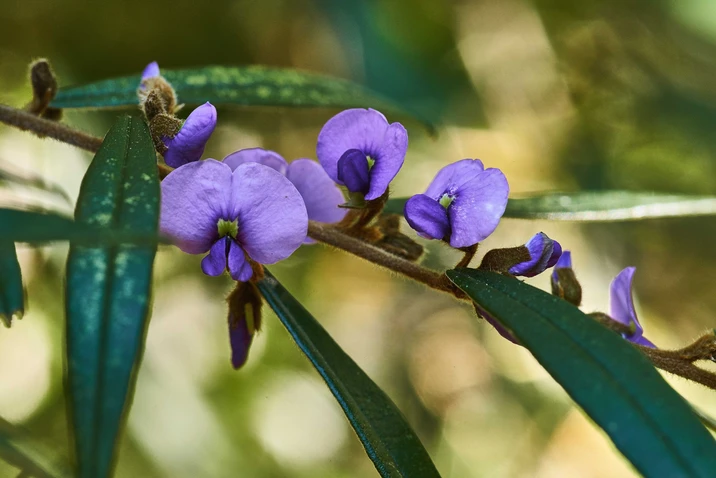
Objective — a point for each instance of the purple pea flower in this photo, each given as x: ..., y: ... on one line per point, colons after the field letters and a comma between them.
x: 622, y: 307
x: 463, y: 204
x: 189, y: 143
x: 319, y: 192
x: 544, y: 253
x: 150, y: 71
x: 360, y: 150
x: 250, y: 210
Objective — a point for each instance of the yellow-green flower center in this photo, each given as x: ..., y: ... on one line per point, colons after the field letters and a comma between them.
x: 446, y: 200
x: 371, y: 162
x: 228, y: 228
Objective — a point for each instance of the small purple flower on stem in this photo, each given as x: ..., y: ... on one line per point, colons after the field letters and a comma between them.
x: 151, y: 71
x: 358, y: 148
x: 319, y: 192
x: 463, y: 205
x: 189, y: 143
x: 544, y: 253
x: 622, y: 307
x: 253, y: 211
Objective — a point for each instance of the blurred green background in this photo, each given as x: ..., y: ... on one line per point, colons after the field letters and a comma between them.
x: 560, y: 95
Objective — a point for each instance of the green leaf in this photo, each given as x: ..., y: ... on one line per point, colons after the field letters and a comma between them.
x: 247, y: 86
x: 388, y: 440
x: 12, y: 294
x: 36, y: 227
x: 108, y: 293
x: 598, y: 206
x: 19, y: 450
x: 615, y: 384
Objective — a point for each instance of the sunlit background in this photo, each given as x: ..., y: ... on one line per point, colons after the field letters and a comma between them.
x: 560, y: 95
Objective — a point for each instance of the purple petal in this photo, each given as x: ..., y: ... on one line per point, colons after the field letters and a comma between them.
x: 240, y: 339
x: 257, y: 155
x: 556, y: 254
x: 239, y: 267
x: 353, y: 171
x: 622, y: 303
x: 355, y: 128
x: 389, y: 158
x: 214, y: 264
x: 189, y: 143
x: 477, y: 208
x: 150, y: 71
x: 493, y: 322
x: 450, y: 178
x: 641, y: 340
x: 272, y: 216
x: 320, y: 194
x: 194, y: 197
x: 427, y: 217
x: 541, y: 249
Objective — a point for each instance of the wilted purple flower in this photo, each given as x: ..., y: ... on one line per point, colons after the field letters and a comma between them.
x: 150, y: 71
x: 622, y: 307
x: 463, y: 204
x: 189, y: 143
x: 319, y: 192
x: 359, y: 149
x: 544, y: 253
x: 253, y: 210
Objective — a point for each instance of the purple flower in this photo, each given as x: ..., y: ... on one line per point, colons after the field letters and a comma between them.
x: 151, y: 71
x: 359, y: 149
x: 319, y: 192
x: 463, y: 204
x: 622, y: 306
x: 189, y: 143
x: 241, y: 336
x: 251, y: 211
x: 544, y: 253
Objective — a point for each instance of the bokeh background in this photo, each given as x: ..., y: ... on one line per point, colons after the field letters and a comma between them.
x: 561, y: 95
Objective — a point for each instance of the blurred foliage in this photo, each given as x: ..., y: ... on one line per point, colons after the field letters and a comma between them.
x: 561, y: 95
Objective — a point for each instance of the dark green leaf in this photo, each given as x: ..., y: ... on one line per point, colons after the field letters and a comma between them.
x: 598, y: 206
x: 614, y: 384
x: 36, y: 227
x: 108, y: 292
x: 248, y: 86
x: 20, y: 451
x: 387, y: 438
x: 12, y: 295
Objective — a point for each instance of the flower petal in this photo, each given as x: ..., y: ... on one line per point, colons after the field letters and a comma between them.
x: 564, y: 261
x: 556, y: 254
x: 257, y: 155
x: 189, y: 143
x: 497, y: 326
x: 427, y: 217
x: 239, y: 267
x: 353, y: 171
x: 641, y: 340
x: 272, y: 216
x: 194, y: 197
x: 355, y: 128
x: 622, y: 303
x: 389, y: 158
x: 240, y: 339
x: 541, y: 249
x: 320, y: 194
x: 150, y: 71
x: 478, y: 207
x: 450, y: 178
x: 214, y: 264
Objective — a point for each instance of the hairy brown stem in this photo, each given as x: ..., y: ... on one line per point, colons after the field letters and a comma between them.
x: 332, y: 236
x: 470, y: 252
x: 679, y: 367
x: 52, y: 129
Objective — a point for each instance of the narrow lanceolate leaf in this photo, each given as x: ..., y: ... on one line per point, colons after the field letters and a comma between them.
x: 38, y: 227
x: 18, y: 449
x: 615, y: 384
x: 12, y: 295
x: 108, y: 293
x: 389, y: 441
x: 598, y: 206
x: 248, y: 86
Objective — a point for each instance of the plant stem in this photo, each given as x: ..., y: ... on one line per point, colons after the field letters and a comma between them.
x: 332, y: 236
